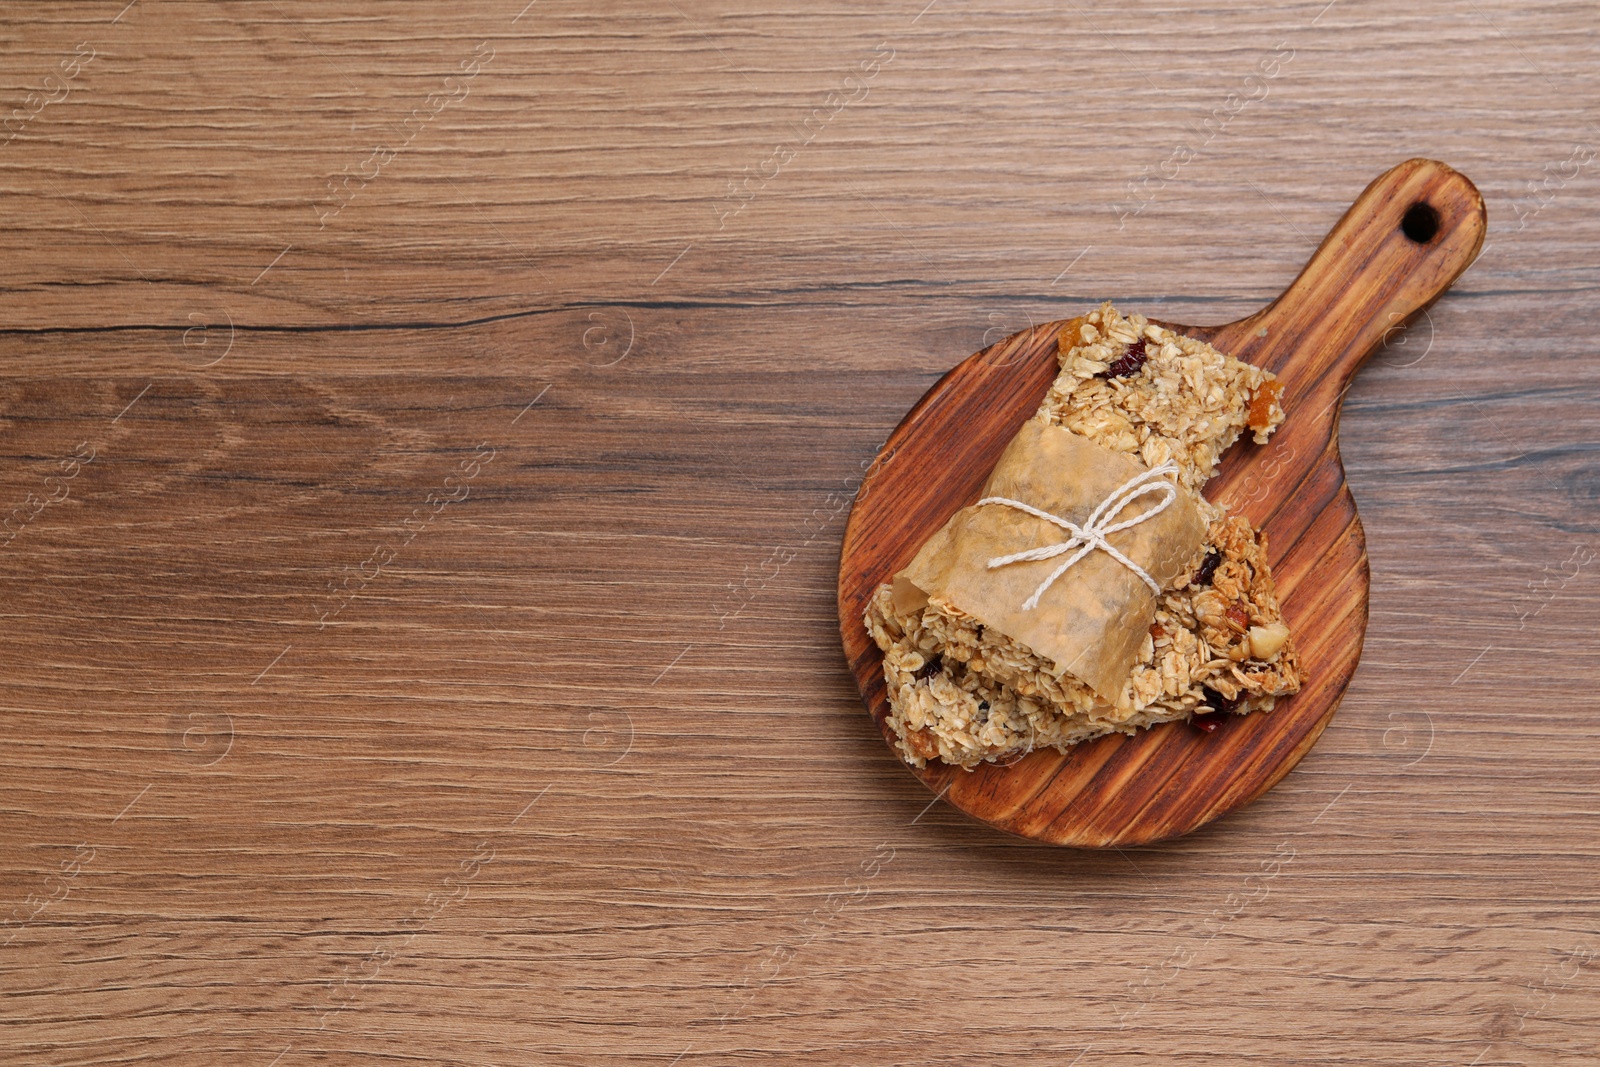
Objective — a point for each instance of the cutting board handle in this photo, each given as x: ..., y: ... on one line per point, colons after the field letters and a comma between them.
x: 1405, y: 239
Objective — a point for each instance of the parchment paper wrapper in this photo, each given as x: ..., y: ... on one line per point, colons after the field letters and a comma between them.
x: 1092, y: 622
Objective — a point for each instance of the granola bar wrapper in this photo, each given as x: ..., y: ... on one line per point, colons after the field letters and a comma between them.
x: 1093, y: 620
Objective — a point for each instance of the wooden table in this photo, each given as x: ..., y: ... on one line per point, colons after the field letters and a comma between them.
x: 427, y: 434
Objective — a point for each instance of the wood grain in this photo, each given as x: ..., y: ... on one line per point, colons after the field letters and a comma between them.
x: 308, y: 843
x: 1409, y: 235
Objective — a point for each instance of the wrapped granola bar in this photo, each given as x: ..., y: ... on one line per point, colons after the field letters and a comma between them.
x: 1091, y: 616
x: 1170, y: 617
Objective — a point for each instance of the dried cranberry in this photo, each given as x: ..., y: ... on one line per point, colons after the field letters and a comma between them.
x: 1127, y: 363
x: 1217, y: 701
x: 930, y: 668
x: 1208, y: 567
x: 1206, y: 722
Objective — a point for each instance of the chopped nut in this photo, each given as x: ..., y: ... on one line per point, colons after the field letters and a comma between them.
x: 922, y: 743
x: 1267, y: 641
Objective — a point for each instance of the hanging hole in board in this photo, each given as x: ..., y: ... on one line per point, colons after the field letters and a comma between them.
x: 1421, y: 223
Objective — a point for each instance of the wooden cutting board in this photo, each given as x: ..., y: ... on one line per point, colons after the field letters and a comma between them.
x: 1404, y: 241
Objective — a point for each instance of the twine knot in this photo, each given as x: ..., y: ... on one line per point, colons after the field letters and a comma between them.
x: 1093, y: 533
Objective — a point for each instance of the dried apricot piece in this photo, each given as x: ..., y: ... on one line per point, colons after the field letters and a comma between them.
x: 1262, y: 403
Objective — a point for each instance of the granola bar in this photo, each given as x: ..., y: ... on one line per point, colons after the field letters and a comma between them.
x: 963, y: 693
x: 1139, y: 388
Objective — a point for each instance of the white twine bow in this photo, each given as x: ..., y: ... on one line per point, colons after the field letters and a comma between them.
x: 1093, y: 533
